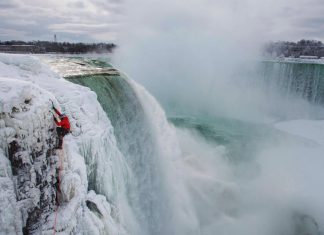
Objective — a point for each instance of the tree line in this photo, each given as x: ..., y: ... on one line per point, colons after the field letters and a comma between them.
x: 294, y: 49
x: 55, y: 47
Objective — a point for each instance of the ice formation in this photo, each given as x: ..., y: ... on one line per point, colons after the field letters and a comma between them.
x: 29, y: 163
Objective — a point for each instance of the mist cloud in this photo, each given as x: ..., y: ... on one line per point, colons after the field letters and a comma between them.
x: 195, y: 54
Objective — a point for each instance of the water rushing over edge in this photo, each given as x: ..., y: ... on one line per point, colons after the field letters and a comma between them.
x: 228, y: 193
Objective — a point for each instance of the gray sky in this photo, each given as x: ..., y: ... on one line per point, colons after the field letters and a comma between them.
x: 71, y: 20
x: 100, y: 20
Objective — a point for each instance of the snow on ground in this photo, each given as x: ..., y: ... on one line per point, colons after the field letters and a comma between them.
x: 25, y: 78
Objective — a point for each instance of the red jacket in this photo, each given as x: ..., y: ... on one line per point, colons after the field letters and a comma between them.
x: 64, y: 123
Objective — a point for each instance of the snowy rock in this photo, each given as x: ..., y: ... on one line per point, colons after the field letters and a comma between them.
x: 28, y: 147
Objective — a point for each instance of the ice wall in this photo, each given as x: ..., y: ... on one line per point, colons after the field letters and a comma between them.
x: 30, y: 165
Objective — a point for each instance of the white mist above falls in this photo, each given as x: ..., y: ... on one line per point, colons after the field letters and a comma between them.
x: 130, y: 170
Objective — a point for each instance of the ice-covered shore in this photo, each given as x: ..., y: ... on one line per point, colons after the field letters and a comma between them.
x: 29, y: 164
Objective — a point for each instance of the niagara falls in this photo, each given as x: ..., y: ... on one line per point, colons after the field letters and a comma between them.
x: 151, y: 117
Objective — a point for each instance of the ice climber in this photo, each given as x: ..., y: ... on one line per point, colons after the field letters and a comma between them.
x: 63, y: 126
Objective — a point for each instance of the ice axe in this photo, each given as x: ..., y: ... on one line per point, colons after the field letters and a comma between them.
x: 52, y: 103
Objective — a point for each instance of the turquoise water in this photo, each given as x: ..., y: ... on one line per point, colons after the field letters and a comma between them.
x: 243, y: 140
x: 240, y: 138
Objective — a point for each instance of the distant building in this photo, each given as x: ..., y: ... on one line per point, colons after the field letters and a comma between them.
x: 308, y: 57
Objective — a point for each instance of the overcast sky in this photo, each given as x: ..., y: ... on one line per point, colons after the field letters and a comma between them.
x: 100, y: 20
x: 71, y: 20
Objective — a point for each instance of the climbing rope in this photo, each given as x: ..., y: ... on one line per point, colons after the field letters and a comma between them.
x: 57, y: 191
